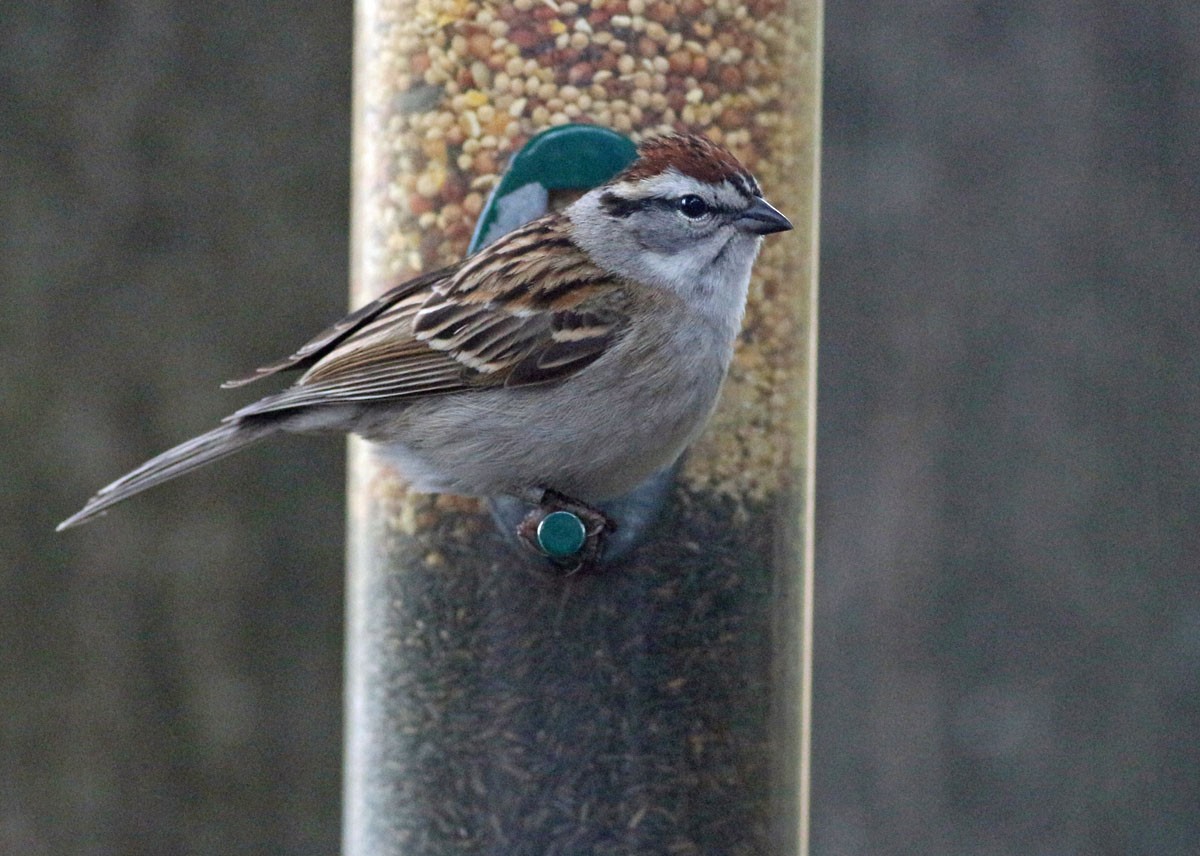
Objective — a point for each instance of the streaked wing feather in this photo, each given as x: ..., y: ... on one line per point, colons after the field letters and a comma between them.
x: 571, y: 347
x: 464, y: 331
x: 428, y: 376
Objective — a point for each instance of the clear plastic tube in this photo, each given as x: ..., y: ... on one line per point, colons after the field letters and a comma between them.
x: 661, y: 704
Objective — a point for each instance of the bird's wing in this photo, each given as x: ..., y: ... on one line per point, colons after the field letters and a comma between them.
x: 531, y: 309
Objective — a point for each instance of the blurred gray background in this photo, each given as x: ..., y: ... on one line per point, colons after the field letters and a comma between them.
x: 1008, y: 613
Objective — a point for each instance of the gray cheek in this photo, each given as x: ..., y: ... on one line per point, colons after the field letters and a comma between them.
x: 663, y: 232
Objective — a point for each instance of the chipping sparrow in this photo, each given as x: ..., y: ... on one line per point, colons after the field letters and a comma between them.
x: 563, y: 364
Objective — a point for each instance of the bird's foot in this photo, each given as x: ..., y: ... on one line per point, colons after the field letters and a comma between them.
x: 570, y: 533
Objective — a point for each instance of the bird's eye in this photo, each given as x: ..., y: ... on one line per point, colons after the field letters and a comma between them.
x: 692, y: 206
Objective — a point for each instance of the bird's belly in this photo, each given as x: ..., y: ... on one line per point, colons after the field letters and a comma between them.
x: 569, y: 437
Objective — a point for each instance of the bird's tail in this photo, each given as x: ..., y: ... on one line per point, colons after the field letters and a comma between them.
x: 217, y: 443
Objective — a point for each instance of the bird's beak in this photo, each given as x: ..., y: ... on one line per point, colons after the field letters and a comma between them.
x: 762, y: 219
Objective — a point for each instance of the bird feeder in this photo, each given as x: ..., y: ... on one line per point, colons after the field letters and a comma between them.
x: 658, y: 704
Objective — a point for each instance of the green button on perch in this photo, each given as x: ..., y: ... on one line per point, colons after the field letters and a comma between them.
x: 561, y: 534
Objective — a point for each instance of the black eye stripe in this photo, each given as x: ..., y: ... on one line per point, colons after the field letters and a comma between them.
x: 710, y: 208
x: 621, y: 207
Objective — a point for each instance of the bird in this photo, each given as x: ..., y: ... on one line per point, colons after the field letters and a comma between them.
x: 561, y: 365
